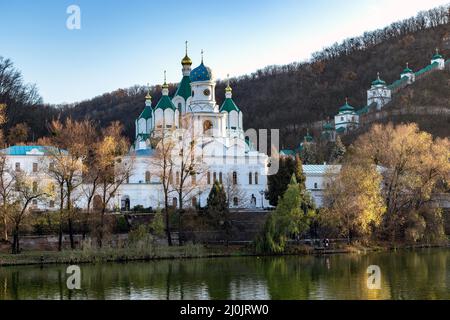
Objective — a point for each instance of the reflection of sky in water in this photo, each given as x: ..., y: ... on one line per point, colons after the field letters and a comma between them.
x: 405, y: 275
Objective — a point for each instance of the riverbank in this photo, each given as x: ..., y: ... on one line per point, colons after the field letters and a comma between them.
x: 159, y: 252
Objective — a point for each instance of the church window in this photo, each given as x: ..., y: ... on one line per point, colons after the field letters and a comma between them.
x: 250, y: 178
x: 235, y: 201
x: 194, y: 202
x: 35, y: 186
x: 17, y: 166
x: 235, y: 178
x: 215, y: 177
x: 316, y: 186
x: 208, y: 177
x: 342, y: 118
x: 220, y: 178
x: 147, y: 177
x: 207, y: 127
x: 256, y: 178
x: 35, y: 167
x: 177, y: 178
x: 175, y: 202
x: 52, y: 204
x: 193, y: 179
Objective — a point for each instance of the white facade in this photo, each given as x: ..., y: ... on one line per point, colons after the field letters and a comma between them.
x: 347, y: 119
x: 439, y: 59
x: 379, y: 93
x: 34, y: 163
x: 219, y: 140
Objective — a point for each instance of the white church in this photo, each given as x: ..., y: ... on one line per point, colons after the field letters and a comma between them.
x: 218, y: 134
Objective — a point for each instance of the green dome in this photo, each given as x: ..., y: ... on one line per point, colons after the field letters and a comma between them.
x: 229, y: 105
x: 379, y: 82
x: 407, y: 70
x: 346, y: 107
x: 165, y: 103
x: 184, y: 88
x: 147, y: 113
x: 328, y: 126
x: 437, y: 56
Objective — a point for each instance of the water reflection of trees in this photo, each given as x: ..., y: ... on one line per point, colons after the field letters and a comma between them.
x: 405, y: 275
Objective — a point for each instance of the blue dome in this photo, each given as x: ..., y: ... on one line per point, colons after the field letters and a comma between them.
x: 201, y: 73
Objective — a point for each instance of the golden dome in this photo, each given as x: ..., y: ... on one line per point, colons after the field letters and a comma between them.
x: 186, y: 61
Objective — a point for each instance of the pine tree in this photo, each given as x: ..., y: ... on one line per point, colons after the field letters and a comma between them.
x: 299, y: 174
x: 217, y: 210
x: 277, y: 184
x: 288, y: 220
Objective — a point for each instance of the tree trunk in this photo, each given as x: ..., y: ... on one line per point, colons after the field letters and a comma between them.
x: 72, y: 241
x: 180, y: 219
x: 15, y: 245
x: 61, y: 209
x: 5, y: 225
x: 166, y: 211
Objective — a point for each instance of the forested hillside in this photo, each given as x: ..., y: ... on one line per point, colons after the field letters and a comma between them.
x: 293, y: 95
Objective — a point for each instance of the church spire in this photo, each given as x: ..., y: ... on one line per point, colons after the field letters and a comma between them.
x: 228, y: 89
x: 186, y: 60
x: 148, y: 96
x: 165, y: 86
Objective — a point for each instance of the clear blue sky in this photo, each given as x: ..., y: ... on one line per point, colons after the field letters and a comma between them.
x: 127, y: 42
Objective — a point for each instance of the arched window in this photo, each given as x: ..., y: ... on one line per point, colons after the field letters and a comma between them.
x: 177, y: 177
x: 316, y: 186
x: 256, y: 178
x: 235, y: 178
x: 193, y: 179
x: 194, y: 202
x: 235, y: 201
x: 215, y: 177
x: 250, y: 178
x: 147, y: 177
x: 35, y: 186
x: 207, y: 127
x: 220, y: 178
x: 175, y: 202
x: 208, y: 177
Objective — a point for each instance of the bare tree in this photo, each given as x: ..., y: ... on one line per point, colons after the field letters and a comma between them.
x: 163, y: 162
x: 7, y: 188
x: 113, y: 169
x: 27, y: 190
x: 188, y: 166
x: 72, y: 141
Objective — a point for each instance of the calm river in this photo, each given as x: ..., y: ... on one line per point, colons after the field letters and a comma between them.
x: 422, y: 274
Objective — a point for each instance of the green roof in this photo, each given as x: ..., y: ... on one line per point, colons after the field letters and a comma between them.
x: 229, y: 105
x: 287, y: 152
x: 147, y: 113
x: 379, y: 82
x: 346, y: 107
x: 366, y: 109
x: 184, y: 88
x: 165, y: 103
x: 437, y: 56
x: 407, y: 70
x: 328, y: 126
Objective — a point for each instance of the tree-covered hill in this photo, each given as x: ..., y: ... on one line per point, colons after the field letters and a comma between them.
x: 291, y: 96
